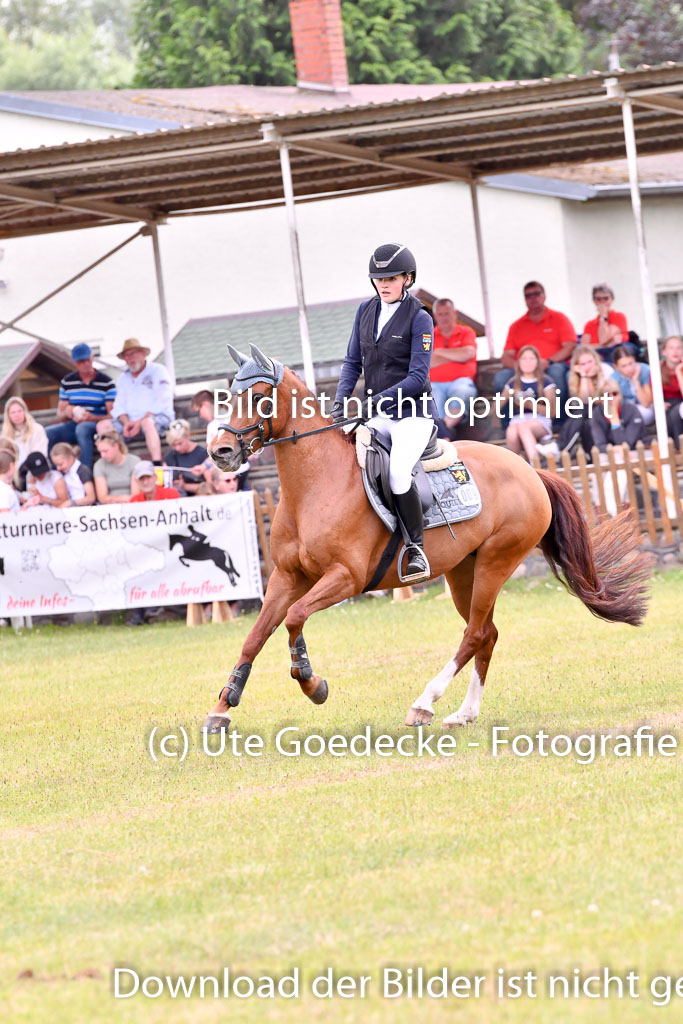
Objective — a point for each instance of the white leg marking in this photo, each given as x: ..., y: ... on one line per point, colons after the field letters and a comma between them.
x: 436, y: 687
x: 469, y: 709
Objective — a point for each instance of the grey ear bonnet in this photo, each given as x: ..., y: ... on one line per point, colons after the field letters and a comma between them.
x: 256, y: 367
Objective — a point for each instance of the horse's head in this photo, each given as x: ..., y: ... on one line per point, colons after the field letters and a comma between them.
x: 254, y: 416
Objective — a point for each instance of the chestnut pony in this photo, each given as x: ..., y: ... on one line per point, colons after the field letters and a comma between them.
x: 326, y: 541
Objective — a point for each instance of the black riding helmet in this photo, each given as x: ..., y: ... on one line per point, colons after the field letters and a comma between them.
x: 392, y: 259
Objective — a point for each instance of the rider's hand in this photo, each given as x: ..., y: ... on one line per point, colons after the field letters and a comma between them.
x: 338, y: 412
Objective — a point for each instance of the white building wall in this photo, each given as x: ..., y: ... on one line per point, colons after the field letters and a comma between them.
x: 240, y: 262
x: 601, y: 246
x: 24, y: 131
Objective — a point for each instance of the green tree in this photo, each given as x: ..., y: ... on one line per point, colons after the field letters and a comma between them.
x: 185, y: 43
x: 65, y: 44
x: 499, y: 40
x: 208, y: 42
x: 381, y: 38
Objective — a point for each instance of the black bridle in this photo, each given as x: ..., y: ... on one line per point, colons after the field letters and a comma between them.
x: 266, y: 441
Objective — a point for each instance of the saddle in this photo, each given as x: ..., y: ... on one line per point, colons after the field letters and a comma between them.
x: 447, y: 490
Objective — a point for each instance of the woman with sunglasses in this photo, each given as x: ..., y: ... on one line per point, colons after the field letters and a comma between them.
x: 606, y: 331
x: 616, y: 421
x: 391, y: 345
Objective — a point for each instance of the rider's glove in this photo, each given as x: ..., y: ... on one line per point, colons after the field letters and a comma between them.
x: 338, y: 412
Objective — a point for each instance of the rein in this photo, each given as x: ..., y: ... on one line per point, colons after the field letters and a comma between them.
x: 266, y: 442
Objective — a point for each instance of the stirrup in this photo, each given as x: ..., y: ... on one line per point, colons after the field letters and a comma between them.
x: 414, y: 577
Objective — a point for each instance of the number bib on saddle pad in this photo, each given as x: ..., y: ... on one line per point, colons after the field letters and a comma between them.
x: 450, y: 492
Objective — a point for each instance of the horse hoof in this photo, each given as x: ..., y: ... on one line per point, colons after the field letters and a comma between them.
x: 217, y: 723
x: 416, y: 716
x: 458, y: 720
x: 316, y: 689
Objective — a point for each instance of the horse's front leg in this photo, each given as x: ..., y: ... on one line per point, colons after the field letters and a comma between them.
x: 283, y: 588
x: 337, y: 584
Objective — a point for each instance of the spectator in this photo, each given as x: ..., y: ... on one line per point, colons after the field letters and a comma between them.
x: 113, y: 471
x: 529, y: 381
x: 551, y: 333
x: 45, y: 485
x: 224, y: 483
x: 150, y: 488
x: 608, y: 329
x: 144, y: 399
x: 586, y: 381
x: 454, y: 362
x: 616, y: 421
x: 27, y: 436
x: 9, y: 446
x: 203, y: 406
x: 672, y: 385
x: 9, y: 499
x: 186, y: 454
x: 77, y: 477
x: 85, y: 396
x: 634, y: 382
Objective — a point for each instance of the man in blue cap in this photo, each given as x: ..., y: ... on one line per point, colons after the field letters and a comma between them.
x: 85, y: 397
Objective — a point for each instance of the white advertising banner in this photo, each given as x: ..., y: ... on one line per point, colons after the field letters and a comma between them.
x: 182, y: 551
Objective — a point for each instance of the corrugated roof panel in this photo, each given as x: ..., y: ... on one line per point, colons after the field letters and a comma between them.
x: 501, y: 129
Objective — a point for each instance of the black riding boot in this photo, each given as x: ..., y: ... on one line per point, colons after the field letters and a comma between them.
x: 409, y: 510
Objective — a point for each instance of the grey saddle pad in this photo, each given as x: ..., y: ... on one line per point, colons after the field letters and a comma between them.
x: 455, y: 489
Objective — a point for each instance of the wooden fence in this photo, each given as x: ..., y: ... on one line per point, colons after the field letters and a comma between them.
x: 641, y: 480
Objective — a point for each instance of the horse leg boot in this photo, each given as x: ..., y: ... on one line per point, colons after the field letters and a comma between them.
x: 409, y: 511
x: 315, y: 687
x: 337, y: 583
x: 283, y: 589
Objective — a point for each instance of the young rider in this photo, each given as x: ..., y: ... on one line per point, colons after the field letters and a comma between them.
x: 391, y: 345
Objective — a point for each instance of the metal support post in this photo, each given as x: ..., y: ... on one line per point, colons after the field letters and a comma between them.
x: 482, y: 268
x: 651, y: 325
x: 168, y: 349
x: 309, y: 374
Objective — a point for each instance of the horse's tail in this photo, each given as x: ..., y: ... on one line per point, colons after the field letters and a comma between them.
x: 601, y: 565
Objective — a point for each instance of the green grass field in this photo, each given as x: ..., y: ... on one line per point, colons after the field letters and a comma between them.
x: 265, y: 864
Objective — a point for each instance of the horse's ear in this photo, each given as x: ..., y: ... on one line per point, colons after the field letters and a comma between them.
x: 264, y: 362
x: 237, y: 356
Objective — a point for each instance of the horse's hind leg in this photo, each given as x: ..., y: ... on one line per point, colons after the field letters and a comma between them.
x: 283, y: 589
x: 469, y: 709
x: 492, y: 566
x: 460, y: 581
x: 336, y: 585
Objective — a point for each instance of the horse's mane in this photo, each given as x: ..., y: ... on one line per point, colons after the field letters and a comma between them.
x: 303, y: 391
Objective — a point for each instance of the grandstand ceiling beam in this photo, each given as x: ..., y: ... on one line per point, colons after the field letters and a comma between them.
x: 178, y: 153
x: 669, y: 103
x: 367, y: 155
x: 45, y: 197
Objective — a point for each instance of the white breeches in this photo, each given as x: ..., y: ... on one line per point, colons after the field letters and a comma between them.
x: 409, y: 438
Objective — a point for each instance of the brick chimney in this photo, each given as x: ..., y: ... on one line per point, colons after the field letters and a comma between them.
x: 319, y: 45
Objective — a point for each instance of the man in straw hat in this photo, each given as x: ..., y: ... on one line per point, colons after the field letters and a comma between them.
x: 144, y: 399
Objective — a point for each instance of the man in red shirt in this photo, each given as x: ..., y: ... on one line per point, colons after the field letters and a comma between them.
x: 150, y: 490
x: 454, y: 363
x: 549, y: 331
x: 608, y: 329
